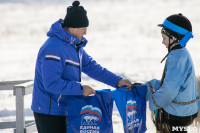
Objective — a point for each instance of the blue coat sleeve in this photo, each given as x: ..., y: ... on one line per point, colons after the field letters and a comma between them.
x: 52, y: 66
x: 155, y: 84
x: 95, y: 71
x: 169, y: 90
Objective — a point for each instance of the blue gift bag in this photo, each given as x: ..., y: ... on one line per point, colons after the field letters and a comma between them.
x: 92, y: 114
x: 131, y: 105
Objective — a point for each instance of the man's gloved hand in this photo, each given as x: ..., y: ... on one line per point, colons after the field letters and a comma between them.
x: 134, y: 85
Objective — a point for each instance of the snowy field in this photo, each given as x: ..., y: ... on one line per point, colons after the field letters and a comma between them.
x: 123, y: 37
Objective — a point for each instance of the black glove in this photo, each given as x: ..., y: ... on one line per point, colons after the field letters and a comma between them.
x: 134, y: 85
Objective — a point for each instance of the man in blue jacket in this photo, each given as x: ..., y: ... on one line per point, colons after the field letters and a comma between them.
x: 60, y: 62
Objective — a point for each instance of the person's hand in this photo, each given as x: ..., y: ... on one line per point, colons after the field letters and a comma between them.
x: 87, y: 90
x: 123, y: 82
x: 134, y: 85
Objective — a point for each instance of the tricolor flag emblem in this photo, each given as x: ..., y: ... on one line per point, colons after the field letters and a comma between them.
x: 91, y: 110
x: 131, y: 105
x: 52, y: 57
x: 72, y: 63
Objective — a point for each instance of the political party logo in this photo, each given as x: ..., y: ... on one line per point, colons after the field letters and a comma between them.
x: 90, y: 119
x: 131, y: 105
x: 132, y: 113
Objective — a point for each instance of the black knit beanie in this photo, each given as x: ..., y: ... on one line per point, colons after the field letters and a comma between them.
x: 76, y: 16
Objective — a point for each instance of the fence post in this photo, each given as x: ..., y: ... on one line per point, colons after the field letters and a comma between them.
x: 20, y: 122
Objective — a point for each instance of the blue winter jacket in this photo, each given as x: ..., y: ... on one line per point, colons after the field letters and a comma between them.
x: 179, y: 85
x: 60, y: 62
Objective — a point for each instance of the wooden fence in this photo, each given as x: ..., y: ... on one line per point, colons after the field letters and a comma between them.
x: 20, y: 89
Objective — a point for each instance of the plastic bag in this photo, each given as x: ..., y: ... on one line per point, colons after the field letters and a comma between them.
x: 92, y: 114
x: 131, y: 105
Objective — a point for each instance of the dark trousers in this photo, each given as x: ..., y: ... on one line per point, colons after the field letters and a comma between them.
x: 50, y: 124
x: 175, y: 124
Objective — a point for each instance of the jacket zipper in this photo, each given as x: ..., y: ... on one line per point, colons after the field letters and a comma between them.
x: 50, y: 105
x: 59, y: 99
x: 78, y: 50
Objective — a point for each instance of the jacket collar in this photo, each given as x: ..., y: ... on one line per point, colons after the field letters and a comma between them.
x: 58, y: 31
x: 74, y: 41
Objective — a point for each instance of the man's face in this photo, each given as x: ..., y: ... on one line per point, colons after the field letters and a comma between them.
x: 79, y: 32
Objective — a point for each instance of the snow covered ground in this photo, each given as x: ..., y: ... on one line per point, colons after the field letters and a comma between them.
x: 123, y: 37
